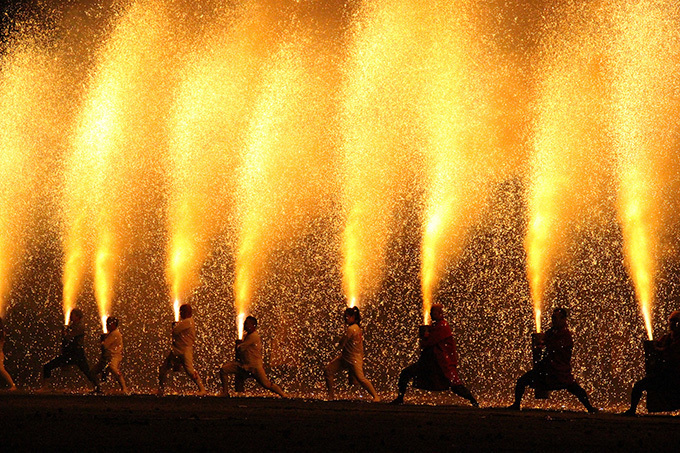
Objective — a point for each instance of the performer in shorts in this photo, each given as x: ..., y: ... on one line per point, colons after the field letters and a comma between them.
x: 112, y: 354
x: 182, y: 353
x: 351, y: 357
x: 250, y: 364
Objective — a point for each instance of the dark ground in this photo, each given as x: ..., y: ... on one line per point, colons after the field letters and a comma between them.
x: 142, y: 422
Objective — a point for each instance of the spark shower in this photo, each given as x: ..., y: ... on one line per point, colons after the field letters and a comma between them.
x: 285, y: 158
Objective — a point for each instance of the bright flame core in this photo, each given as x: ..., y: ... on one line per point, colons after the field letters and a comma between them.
x: 175, y: 308
x: 646, y: 111
x: 239, y: 324
x: 103, y: 280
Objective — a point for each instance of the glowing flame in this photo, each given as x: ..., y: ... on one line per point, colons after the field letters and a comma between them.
x: 426, y: 318
x: 71, y: 280
x: 104, y: 175
x: 103, y: 319
x: 175, y: 268
x: 175, y: 309
x: 103, y: 278
x: 537, y: 249
x: 646, y: 110
x: 239, y: 324
x: 276, y: 197
x: 428, y: 264
x: 570, y: 146
x: 352, y: 302
x: 350, y: 246
x: 375, y: 82
x: 25, y: 116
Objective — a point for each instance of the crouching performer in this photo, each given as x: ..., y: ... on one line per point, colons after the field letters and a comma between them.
x: 182, y: 353
x: 112, y: 354
x: 662, y: 382
x: 249, y: 364
x: 72, y: 351
x: 436, y: 369
x: 553, y: 370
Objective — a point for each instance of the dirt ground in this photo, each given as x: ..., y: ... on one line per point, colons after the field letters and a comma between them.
x: 30, y: 422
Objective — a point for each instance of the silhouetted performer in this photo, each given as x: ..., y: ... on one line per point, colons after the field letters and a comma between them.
x: 182, y: 353
x: 351, y: 356
x: 666, y: 377
x: 3, y: 372
x: 112, y: 354
x: 436, y: 369
x: 250, y: 364
x: 72, y: 350
x: 553, y: 370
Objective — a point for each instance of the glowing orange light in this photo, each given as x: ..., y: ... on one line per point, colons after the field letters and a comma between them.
x: 175, y: 309
x: 240, y: 318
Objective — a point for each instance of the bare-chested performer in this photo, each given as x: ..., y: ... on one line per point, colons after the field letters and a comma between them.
x: 182, y: 353
x: 249, y: 351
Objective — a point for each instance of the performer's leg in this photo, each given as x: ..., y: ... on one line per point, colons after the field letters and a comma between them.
x: 163, y: 369
x: 406, y: 376
x: 114, y: 369
x: 188, y: 361
x: 261, y: 377
x: 97, y: 370
x: 636, y: 395
x: 357, y: 369
x: 582, y: 396
x: 330, y: 372
x: 461, y: 390
x: 525, y: 380
x: 4, y: 374
x: 50, y: 366
x: 81, y: 362
x: 227, y: 369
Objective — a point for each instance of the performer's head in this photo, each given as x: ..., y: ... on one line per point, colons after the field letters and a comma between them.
x: 250, y: 324
x: 437, y: 312
x: 111, y: 323
x: 559, y: 317
x: 75, y: 316
x: 185, y: 311
x: 674, y: 322
x: 352, y: 316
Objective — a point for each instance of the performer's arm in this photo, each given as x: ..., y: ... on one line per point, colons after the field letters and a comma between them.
x: 247, y: 341
x: 437, y: 334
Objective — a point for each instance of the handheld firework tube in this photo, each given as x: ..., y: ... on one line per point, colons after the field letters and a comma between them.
x: 663, y: 397
x: 537, y: 347
x: 422, y: 331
